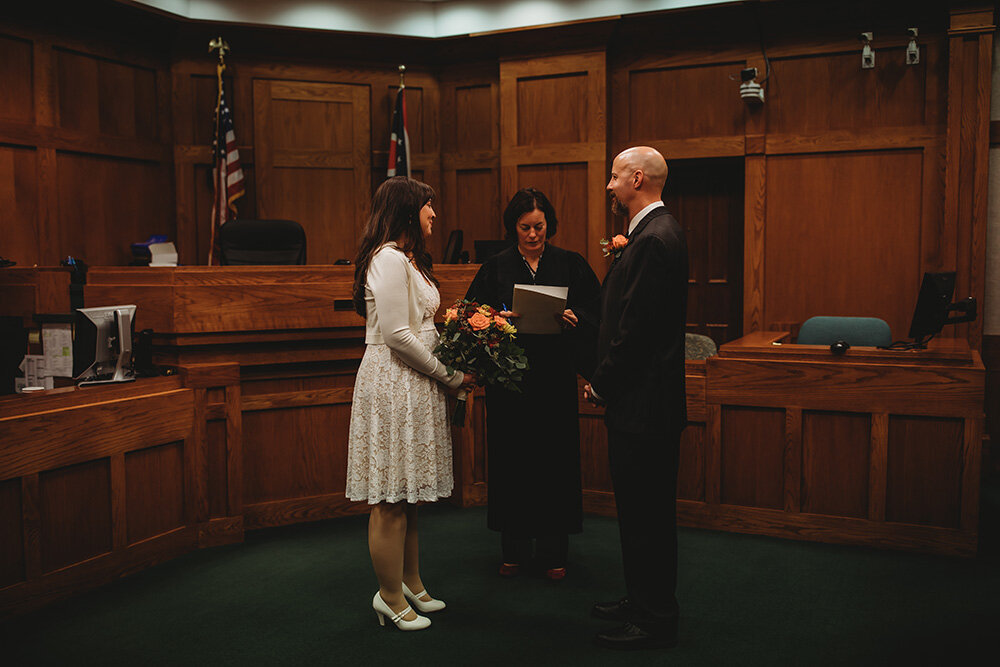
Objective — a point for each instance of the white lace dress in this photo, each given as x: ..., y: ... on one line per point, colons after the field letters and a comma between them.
x: 399, y: 447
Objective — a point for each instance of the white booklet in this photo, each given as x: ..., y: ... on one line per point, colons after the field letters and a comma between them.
x: 539, y: 308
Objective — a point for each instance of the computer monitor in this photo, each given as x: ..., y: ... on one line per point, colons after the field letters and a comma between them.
x: 934, y: 305
x: 102, y: 345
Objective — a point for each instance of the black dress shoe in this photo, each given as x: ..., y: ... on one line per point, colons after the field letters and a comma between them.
x: 631, y: 637
x: 613, y: 611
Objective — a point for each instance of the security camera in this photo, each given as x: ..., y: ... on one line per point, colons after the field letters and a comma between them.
x: 912, y: 50
x: 751, y: 91
x: 867, y: 52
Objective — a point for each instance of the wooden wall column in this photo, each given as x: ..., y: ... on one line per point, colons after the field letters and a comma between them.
x: 970, y: 60
x: 754, y: 212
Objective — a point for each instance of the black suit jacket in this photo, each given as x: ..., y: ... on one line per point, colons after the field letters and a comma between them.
x: 640, y: 348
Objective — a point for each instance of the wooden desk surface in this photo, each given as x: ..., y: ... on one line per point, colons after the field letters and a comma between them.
x: 948, y: 379
x: 775, y: 345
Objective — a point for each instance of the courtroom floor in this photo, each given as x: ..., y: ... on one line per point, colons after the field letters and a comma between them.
x: 301, y: 595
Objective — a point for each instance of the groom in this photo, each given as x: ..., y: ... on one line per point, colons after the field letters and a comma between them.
x: 640, y: 377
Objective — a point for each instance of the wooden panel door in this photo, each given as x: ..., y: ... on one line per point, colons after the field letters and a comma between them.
x: 553, y: 130
x: 470, y: 156
x: 313, y: 157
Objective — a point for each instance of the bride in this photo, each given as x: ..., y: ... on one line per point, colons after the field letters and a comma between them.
x: 399, y: 447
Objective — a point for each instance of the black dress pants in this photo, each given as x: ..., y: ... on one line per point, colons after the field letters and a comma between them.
x: 644, y: 474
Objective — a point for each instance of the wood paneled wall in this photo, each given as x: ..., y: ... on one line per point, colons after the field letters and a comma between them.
x: 470, y: 154
x: 312, y: 143
x: 832, y: 198
x: 552, y: 137
x: 844, y: 169
x: 85, y: 133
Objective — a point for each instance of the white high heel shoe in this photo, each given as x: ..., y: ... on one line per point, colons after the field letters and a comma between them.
x: 382, y: 610
x: 426, y: 607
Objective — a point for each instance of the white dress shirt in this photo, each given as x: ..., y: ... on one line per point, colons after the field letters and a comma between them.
x: 642, y: 214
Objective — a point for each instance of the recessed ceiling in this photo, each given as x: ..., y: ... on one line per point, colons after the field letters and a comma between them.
x: 411, y: 18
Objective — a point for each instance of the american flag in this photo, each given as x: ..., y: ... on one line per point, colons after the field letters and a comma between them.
x: 399, y: 141
x: 227, y: 175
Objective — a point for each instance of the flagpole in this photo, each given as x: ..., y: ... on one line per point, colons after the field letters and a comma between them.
x: 399, y: 142
x: 219, y: 189
x: 402, y: 87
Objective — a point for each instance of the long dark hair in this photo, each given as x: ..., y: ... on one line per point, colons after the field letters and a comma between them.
x: 524, y: 201
x: 395, y: 217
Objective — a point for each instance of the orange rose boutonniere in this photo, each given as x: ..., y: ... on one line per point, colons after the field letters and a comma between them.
x: 614, y: 247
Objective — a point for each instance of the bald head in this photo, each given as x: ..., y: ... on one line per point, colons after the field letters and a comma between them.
x: 638, y: 175
x: 650, y: 162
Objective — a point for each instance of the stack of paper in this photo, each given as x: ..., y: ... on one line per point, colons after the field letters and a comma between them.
x: 539, y: 308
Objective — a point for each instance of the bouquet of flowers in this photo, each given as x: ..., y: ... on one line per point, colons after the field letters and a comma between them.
x: 475, y: 339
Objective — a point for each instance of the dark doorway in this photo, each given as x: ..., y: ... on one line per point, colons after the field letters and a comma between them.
x: 706, y: 196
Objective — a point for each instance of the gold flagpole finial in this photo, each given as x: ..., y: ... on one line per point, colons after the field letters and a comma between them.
x: 220, y: 45
x: 402, y: 76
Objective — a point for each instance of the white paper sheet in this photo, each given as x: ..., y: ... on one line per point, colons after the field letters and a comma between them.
x: 539, y: 307
x: 57, y: 344
x: 35, y: 373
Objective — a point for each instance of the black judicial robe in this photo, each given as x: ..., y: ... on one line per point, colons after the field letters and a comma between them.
x: 533, y: 437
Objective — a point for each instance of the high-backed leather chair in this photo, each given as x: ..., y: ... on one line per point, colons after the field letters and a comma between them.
x: 249, y: 242
x: 864, y: 331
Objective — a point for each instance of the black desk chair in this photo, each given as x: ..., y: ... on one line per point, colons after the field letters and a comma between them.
x: 253, y: 242
x: 453, y: 250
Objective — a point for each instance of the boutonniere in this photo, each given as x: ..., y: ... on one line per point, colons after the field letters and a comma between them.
x: 614, y: 247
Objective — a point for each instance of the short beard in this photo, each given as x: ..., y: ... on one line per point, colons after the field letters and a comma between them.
x: 618, y: 208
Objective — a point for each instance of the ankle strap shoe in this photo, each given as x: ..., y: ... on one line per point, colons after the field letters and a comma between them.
x: 382, y: 610
x: 421, y: 605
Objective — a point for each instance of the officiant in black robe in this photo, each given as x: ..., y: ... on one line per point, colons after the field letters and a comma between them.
x: 533, y: 437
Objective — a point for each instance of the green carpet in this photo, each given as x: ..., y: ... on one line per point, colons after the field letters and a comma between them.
x: 301, y: 595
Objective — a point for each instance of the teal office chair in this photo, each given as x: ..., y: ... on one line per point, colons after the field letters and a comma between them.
x: 863, y: 331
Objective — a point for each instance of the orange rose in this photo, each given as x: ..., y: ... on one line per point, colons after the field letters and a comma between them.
x: 450, y: 314
x: 501, y: 322
x: 618, y: 242
x: 478, y: 321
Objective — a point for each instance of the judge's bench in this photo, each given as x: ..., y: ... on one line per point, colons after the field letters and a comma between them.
x: 873, y: 447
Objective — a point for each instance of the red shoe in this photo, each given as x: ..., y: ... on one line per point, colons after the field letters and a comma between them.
x: 510, y: 570
x: 556, y: 574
